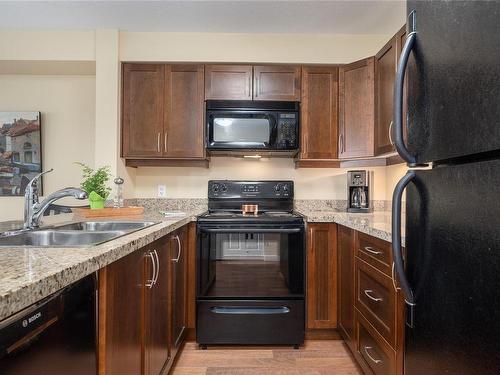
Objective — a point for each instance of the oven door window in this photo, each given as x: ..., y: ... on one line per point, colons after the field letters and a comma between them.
x: 241, y: 130
x: 251, y: 265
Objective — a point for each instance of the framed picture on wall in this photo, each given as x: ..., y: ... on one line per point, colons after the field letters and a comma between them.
x: 20, y: 151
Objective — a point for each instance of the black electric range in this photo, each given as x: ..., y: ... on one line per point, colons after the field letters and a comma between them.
x: 251, y: 268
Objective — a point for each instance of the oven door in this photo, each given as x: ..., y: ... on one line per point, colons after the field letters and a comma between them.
x: 251, y: 261
x: 236, y: 129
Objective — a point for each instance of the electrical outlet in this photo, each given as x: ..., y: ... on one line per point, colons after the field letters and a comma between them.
x: 162, y: 191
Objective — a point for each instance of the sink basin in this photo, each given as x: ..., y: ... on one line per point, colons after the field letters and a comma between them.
x: 100, y: 226
x: 59, y: 238
x: 79, y: 234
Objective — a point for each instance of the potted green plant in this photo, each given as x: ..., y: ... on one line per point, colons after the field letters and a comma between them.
x: 95, y: 184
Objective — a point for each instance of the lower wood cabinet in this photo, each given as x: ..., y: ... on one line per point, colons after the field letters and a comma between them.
x: 157, y: 350
x: 142, y: 308
x: 374, y: 354
x: 178, y: 263
x: 121, y: 315
x: 321, y: 276
x: 371, y: 311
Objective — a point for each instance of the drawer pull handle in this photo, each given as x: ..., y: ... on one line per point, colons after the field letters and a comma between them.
x: 366, y: 348
x: 372, y: 251
x: 368, y: 294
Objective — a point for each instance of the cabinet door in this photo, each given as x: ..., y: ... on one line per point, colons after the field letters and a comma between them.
x: 121, y: 315
x: 346, y: 251
x: 357, y: 105
x: 276, y: 83
x: 319, y: 113
x: 385, y: 73
x: 400, y: 41
x: 231, y: 82
x: 322, y: 276
x: 156, y: 343
x: 142, y: 110
x: 178, y: 262
x: 183, y: 130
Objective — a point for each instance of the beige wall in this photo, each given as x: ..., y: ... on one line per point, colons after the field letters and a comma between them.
x: 48, y: 45
x: 68, y: 115
x: 309, y: 183
x: 269, y: 48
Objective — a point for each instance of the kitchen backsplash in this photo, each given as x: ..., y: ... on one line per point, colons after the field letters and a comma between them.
x: 174, y: 204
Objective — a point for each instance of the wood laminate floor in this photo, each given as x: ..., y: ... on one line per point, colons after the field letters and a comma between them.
x: 320, y: 357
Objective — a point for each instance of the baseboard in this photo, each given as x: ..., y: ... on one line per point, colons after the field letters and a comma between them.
x: 190, y: 334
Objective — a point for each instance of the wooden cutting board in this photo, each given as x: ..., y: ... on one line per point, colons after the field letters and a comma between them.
x: 109, y: 212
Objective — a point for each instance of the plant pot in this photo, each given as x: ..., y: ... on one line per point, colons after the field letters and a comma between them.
x: 96, y: 201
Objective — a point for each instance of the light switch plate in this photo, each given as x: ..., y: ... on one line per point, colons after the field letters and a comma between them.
x: 162, y: 191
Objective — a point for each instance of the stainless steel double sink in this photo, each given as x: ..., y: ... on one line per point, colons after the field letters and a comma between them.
x: 77, y: 234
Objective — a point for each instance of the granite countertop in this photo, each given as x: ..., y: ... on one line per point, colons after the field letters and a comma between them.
x: 376, y: 224
x: 28, y: 275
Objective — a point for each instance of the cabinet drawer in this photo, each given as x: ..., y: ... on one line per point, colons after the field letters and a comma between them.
x: 376, y: 299
x: 374, y: 351
x: 376, y: 252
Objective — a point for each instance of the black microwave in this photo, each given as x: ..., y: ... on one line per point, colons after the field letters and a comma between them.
x: 243, y: 126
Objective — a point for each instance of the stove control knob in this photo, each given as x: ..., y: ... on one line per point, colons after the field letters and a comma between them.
x: 277, y: 188
x: 223, y: 188
x: 285, y: 188
x: 215, y: 188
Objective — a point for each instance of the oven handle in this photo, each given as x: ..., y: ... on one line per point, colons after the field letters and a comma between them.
x: 237, y: 310
x: 253, y: 230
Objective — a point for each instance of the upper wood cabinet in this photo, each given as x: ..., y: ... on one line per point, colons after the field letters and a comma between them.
x: 162, y: 112
x: 231, y: 82
x: 142, y: 109
x: 246, y: 82
x: 319, y: 113
x: 183, y: 124
x: 400, y: 41
x: 346, y: 251
x: 274, y: 82
x: 321, y: 276
x: 385, y: 73
x: 357, y: 109
x: 386, y: 62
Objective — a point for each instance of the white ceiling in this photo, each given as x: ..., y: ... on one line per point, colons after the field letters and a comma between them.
x: 344, y: 17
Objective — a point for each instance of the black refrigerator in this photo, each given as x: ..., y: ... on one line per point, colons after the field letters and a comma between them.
x: 449, y: 270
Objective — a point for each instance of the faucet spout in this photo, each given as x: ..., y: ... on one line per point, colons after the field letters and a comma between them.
x: 39, y: 208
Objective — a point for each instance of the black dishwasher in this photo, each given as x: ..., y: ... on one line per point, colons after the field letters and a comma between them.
x: 54, y: 336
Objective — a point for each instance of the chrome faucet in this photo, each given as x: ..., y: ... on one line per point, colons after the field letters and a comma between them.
x: 33, y: 209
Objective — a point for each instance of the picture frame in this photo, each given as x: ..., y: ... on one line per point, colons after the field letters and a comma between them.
x: 20, y: 151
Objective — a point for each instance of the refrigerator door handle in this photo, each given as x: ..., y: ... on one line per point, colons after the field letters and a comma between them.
x: 396, y: 237
x: 399, y: 91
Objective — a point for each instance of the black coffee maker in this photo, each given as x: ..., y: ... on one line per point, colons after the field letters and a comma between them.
x: 358, y: 191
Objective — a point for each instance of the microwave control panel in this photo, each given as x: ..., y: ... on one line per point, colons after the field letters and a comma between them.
x: 287, y: 130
